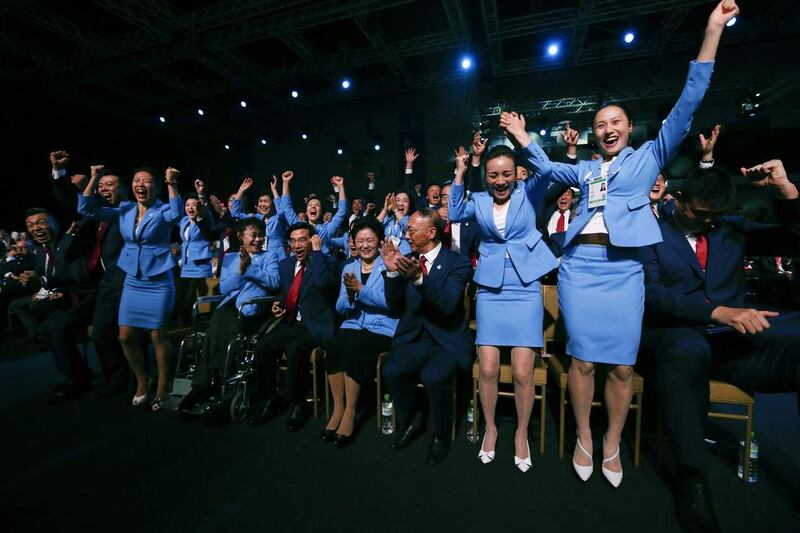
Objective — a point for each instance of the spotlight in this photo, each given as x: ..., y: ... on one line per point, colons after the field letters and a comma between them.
x: 758, y: 95
x: 339, y: 151
x: 553, y: 49
x: 227, y: 147
x: 243, y: 103
x: 377, y: 147
x: 629, y: 37
x: 731, y: 22
x: 162, y: 119
x: 466, y: 63
x: 263, y: 141
x: 304, y: 136
x: 295, y: 94
x: 542, y: 132
x: 345, y: 84
x: 200, y: 112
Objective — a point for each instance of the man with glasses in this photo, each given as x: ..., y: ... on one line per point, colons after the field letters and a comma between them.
x: 702, y: 325
x: 307, y: 290
x: 426, y: 288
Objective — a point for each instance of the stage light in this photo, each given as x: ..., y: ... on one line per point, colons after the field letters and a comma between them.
x: 295, y: 94
x: 263, y: 141
x: 758, y: 95
x: 304, y: 136
x: 200, y: 112
x: 227, y: 147
x: 629, y: 37
x: 466, y: 63
x: 377, y: 147
x: 553, y: 49
x: 731, y: 22
x: 339, y: 151
x: 243, y: 103
x: 542, y: 132
x: 162, y: 119
x: 345, y: 84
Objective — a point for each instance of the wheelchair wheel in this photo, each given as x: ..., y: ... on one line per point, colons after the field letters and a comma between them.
x: 240, y: 405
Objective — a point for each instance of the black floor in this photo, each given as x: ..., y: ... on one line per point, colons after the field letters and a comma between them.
x: 100, y: 465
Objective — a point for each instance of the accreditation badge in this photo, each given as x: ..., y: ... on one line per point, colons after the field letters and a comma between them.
x: 598, y: 192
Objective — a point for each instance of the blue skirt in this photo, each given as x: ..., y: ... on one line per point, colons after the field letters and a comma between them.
x: 601, y: 295
x: 147, y: 302
x: 511, y: 315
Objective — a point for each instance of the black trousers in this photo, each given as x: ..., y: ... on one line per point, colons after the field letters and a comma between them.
x: 222, y: 330
x: 105, y: 328
x: 59, y: 328
x: 355, y: 352
x: 680, y: 361
x: 421, y: 360
x: 297, y: 343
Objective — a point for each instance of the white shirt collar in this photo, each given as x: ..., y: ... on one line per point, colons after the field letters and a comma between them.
x: 431, y: 256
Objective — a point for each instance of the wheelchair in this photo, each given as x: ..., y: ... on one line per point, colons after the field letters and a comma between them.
x: 238, y: 374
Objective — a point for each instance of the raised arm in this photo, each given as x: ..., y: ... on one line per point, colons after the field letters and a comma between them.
x: 174, y: 213
x: 86, y: 201
x: 284, y: 207
x: 407, y: 182
x: 458, y: 209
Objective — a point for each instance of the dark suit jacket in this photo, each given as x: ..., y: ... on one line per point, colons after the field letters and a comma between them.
x: 65, y: 271
x: 680, y: 293
x: 318, y: 292
x: 437, y: 305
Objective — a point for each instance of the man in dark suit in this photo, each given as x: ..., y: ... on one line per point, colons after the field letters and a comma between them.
x: 309, y: 280
x: 695, y: 279
x: 99, y: 244
x: 461, y: 237
x: 427, y: 289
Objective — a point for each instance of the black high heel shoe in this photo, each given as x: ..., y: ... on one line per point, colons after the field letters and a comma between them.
x: 328, y: 435
x: 343, y: 441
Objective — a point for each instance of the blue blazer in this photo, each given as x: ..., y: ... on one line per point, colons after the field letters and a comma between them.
x: 436, y: 305
x: 677, y: 289
x: 196, y: 249
x: 397, y: 228
x: 317, y: 293
x: 146, y: 252
x: 632, y: 173
x: 276, y: 226
x: 522, y: 241
x: 368, y: 309
x: 325, y: 230
x: 260, y: 279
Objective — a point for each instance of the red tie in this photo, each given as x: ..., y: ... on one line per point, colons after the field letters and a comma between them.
x: 423, y: 265
x: 701, y: 249
x: 94, y: 258
x: 447, y: 228
x: 560, y: 223
x: 778, y: 264
x: 294, y: 293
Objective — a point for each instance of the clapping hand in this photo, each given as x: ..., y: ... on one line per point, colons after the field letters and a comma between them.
x: 244, y: 260
x: 351, y: 284
x: 389, y: 254
x: 316, y: 243
x: 409, y: 268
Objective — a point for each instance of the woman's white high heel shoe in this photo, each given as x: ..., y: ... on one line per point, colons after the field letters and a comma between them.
x: 584, y: 472
x: 524, y: 464
x: 484, y: 456
x: 615, y: 478
x: 139, y: 400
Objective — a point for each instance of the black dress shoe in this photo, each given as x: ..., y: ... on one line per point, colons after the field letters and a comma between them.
x: 405, y: 438
x: 343, y: 441
x: 67, y: 392
x: 297, y: 417
x: 196, y: 395
x: 328, y: 435
x: 694, y: 507
x: 262, y: 413
x: 438, y: 450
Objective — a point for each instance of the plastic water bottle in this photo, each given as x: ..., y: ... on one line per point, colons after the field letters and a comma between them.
x: 470, y: 420
x: 386, y: 415
x: 753, y: 459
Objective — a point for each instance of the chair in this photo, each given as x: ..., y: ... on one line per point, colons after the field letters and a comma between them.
x: 555, y: 332
x: 379, y: 397
x: 724, y: 393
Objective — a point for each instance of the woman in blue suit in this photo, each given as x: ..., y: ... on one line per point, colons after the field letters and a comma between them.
x: 251, y: 273
x: 367, y: 330
x: 509, y: 303
x: 601, y: 280
x: 149, y: 290
x: 394, y: 217
x: 325, y: 230
x: 196, y: 233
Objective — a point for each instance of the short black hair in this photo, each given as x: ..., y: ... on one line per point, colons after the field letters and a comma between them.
x: 428, y: 188
x: 712, y: 187
x: 436, y: 220
x: 370, y: 223
x: 190, y: 196
x: 501, y: 150
x: 150, y: 170
x: 36, y: 211
x: 300, y: 225
x: 265, y: 192
x: 614, y: 104
x: 248, y: 222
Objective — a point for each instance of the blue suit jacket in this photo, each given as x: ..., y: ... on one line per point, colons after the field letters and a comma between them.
x: 677, y: 289
x: 276, y: 226
x: 325, y: 230
x: 397, y: 228
x: 317, y: 292
x: 260, y: 279
x: 632, y: 173
x: 437, y: 305
x: 523, y: 242
x: 196, y: 250
x: 368, y: 309
x: 147, y: 251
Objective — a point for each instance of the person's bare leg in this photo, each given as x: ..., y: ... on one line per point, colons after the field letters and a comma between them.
x: 132, y: 348
x: 162, y: 348
x: 352, y: 390
x: 522, y: 360
x: 489, y: 360
x: 336, y: 381
x: 581, y: 392
x: 618, y: 394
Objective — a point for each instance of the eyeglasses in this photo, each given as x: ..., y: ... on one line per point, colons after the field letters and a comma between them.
x: 361, y: 242
x: 301, y: 240
x: 411, y: 231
